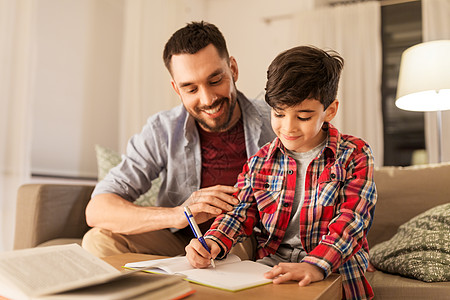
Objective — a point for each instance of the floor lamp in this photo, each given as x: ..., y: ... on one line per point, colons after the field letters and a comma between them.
x: 424, y: 81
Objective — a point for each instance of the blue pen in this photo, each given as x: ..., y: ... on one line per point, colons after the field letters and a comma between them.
x: 198, y: 234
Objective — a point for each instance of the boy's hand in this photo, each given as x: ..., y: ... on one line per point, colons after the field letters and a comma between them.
x: 371, y: 268
x: 198, y: 256
x: 304, y: 273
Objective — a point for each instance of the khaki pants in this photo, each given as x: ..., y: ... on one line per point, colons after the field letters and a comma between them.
x: 102, y: 242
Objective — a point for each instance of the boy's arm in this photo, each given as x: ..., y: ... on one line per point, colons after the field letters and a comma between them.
x: 353, y: 217
x: 228, y: 228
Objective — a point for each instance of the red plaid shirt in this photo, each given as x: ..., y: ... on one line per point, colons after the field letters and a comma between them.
x: 340, y: 197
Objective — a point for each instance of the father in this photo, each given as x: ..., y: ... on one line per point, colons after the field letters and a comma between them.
x: 198, y: 148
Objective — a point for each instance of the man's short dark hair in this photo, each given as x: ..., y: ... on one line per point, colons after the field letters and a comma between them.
x: 192, y: 38
x: 303, y: 72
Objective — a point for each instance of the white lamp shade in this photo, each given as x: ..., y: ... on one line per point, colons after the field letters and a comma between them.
x: 424, y: 78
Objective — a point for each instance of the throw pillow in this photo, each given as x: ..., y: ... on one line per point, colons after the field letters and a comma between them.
x: 420, y: 249
x: 107, y: 159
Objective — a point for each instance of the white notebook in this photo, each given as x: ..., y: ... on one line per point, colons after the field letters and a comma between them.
x: 230, y: 274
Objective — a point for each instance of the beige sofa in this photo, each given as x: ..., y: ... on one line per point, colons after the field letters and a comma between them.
x: 54, y: 214
x: 402, y: 194
x: 51, y: 214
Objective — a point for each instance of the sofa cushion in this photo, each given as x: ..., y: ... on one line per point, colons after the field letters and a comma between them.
x: 394, y: 287
x: 107, y: 159
x: 420, y: 249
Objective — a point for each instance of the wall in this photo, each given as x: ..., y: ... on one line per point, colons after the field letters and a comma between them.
x: 80, y: 63
x: 252, y: 40
x: 145, y: 81
x: 77, y: 84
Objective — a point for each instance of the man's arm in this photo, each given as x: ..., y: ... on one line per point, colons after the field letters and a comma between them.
x: 116, y: 214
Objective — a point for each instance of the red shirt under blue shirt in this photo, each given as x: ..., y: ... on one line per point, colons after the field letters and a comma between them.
x: 337, y: 212
x: 223, y: 155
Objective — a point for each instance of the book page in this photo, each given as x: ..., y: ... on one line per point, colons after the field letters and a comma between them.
x: 43, y: 270
x: 175, y: 264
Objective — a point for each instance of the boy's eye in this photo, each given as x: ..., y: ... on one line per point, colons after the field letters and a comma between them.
x: 277, y: 115
x: 304, y: 119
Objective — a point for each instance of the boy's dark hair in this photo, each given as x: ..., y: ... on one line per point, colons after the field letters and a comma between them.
x: 192, y: 38
x: 303, y: 72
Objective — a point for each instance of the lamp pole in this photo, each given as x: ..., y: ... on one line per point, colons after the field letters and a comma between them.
x: 439, y: 129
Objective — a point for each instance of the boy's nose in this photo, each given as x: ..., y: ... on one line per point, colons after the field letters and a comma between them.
x: 289, y: 125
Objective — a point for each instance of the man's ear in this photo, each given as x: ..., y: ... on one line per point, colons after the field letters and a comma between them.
x: 175, y: 87
x: 234, y: 68
x: 331, y: 110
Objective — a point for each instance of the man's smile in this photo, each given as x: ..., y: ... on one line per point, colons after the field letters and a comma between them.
x: 214, y: 111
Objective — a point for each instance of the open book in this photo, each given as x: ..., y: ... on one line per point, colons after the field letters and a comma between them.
x: 70, y: 272
x: 230, y: 274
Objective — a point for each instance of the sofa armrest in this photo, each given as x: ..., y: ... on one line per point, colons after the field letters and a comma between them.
x: 50, y: 211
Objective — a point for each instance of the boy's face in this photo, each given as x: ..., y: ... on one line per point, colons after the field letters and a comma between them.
x: 205, y: 83
x: 300, y: 127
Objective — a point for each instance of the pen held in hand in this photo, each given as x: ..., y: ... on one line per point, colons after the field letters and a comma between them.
x: 198, y: 234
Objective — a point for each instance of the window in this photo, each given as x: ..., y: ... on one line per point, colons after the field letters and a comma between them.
x: 403, y: 130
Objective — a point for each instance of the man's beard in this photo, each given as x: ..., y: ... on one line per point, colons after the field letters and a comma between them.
x: 219, y: 127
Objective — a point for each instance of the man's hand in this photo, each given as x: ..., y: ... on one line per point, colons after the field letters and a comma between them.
x: 210, y: 202
x: 304, y: 273
x: 198, y: 256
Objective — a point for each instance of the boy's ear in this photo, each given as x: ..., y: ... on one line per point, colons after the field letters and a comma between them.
x: 331, y: 110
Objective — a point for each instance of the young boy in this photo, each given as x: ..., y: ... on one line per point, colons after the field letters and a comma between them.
x: 309, y: 195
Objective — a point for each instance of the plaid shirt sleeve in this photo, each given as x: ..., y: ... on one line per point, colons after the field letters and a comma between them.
x: 232, y: 227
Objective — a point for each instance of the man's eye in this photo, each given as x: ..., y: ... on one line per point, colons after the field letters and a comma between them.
x: 213, y: 82
x: 191, y: 91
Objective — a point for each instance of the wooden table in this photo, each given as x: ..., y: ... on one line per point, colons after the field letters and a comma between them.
x: 328, y: 289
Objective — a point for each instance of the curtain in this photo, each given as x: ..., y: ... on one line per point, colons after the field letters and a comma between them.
x: 354, y: 31
x: 16, y: 62
x: 436, y: 26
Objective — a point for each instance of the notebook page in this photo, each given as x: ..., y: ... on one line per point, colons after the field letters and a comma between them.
x: 174, y: 264
x: 231, y: 277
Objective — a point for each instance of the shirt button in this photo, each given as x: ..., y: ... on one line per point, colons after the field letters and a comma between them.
x: 290, y: 172
x: 333, y: 176
x: 266, y: 185
x: 285, y: 204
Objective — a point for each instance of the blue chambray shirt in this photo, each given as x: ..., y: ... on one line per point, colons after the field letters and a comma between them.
x: 169, y: 145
